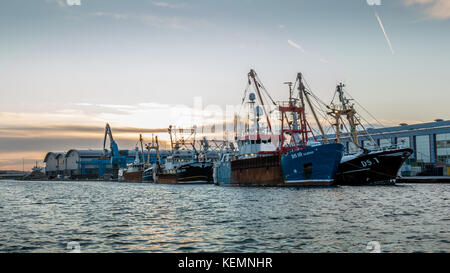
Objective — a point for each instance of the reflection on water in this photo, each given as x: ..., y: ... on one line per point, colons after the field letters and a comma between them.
x: 115, y: 217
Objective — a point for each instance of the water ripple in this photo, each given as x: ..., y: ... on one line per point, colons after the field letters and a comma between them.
x: 115, y: 217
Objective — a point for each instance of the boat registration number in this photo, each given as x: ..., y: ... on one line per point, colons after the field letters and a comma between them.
x: 301, y: 154
x: 369, y: 162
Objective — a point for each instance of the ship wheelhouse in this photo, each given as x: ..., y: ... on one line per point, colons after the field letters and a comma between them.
x: 254, y: 145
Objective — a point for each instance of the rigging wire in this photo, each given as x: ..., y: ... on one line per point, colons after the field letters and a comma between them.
x: 264, y: 89
x: 247, y: 87
x: 319, y: 104
x: 351, y: 97
x: 309, y: 89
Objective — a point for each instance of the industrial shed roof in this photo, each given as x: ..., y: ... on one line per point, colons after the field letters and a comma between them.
x: 52, y: 153
x: 85, y: 153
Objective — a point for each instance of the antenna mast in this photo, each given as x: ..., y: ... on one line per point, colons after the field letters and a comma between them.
x: 252, y: 74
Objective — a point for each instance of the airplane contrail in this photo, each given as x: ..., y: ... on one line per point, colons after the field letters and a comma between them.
x: 299, y: 47
x: 384, y: 31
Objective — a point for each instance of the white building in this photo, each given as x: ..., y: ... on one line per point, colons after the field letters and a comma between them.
x: 51, y: 164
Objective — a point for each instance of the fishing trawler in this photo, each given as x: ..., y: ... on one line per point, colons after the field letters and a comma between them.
x: 222, y: 167
x: 184, y: 166
x: 287, y: 159
x: 150, y: 169
x: 364, y: 166
x: 179, y: 170
x: 133, y: 171
x: 305, y: 161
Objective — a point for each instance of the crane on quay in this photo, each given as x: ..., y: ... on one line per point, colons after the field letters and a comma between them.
x: 117, y: 160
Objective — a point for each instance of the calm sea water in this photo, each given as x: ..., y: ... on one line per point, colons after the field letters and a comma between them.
x: 115, y: 217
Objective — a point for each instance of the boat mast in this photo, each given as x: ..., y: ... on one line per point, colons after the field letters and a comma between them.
x: 142, y: 149
x: 153, y: 146
x: 299, y: 76
x: 347, y: 110
x: 302, y: 114
x: 289, y: 84
x: 171, y: 139
x: 292, y: 102
x: 158, y: 157
x: 150, y: 147
x: 299, y: 123
x: 324, y: 136
x: 251, y: 103
x: 337, y: 117
x: 252, y: 74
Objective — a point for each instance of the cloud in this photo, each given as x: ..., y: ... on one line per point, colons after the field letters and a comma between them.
x: 61, y: 3
x: 296, y: 46
x: 14, y: 161
x: 167, y: 5
x: 32, y: 148
x: 437, y: 9
x: 72, y: 129
x: 115, y: 106
x: 160, y: 21
x: 173, y: 22
x: 384, y: 32
x: 32, y: 142
x: 117, y: 16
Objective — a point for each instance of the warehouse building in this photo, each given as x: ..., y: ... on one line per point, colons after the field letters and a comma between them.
x: 83, y: 163
x: 51, y: 164
x: 89, y: 163
x: 61, y: 163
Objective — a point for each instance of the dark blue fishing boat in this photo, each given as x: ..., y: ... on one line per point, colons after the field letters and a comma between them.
x: 304, y: 161
x: 312, y: 165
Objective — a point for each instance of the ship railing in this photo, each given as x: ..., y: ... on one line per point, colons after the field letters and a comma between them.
x: 395, y: 146
x: 389, y: 148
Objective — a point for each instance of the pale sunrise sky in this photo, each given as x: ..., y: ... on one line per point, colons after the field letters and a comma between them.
x: 66, y: 70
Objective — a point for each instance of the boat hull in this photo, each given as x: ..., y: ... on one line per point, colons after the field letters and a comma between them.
x: 222, y: 173
x: 195, y: 172
x: 190, y: 173
x: 166, y: 178
x: 313, y: 165
x: 135, y: 176
x: 257, y: 171
x: 377, y: 168
x: 147, y: 176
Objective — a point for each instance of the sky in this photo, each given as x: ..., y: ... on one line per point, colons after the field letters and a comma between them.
x: 67, y: 69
